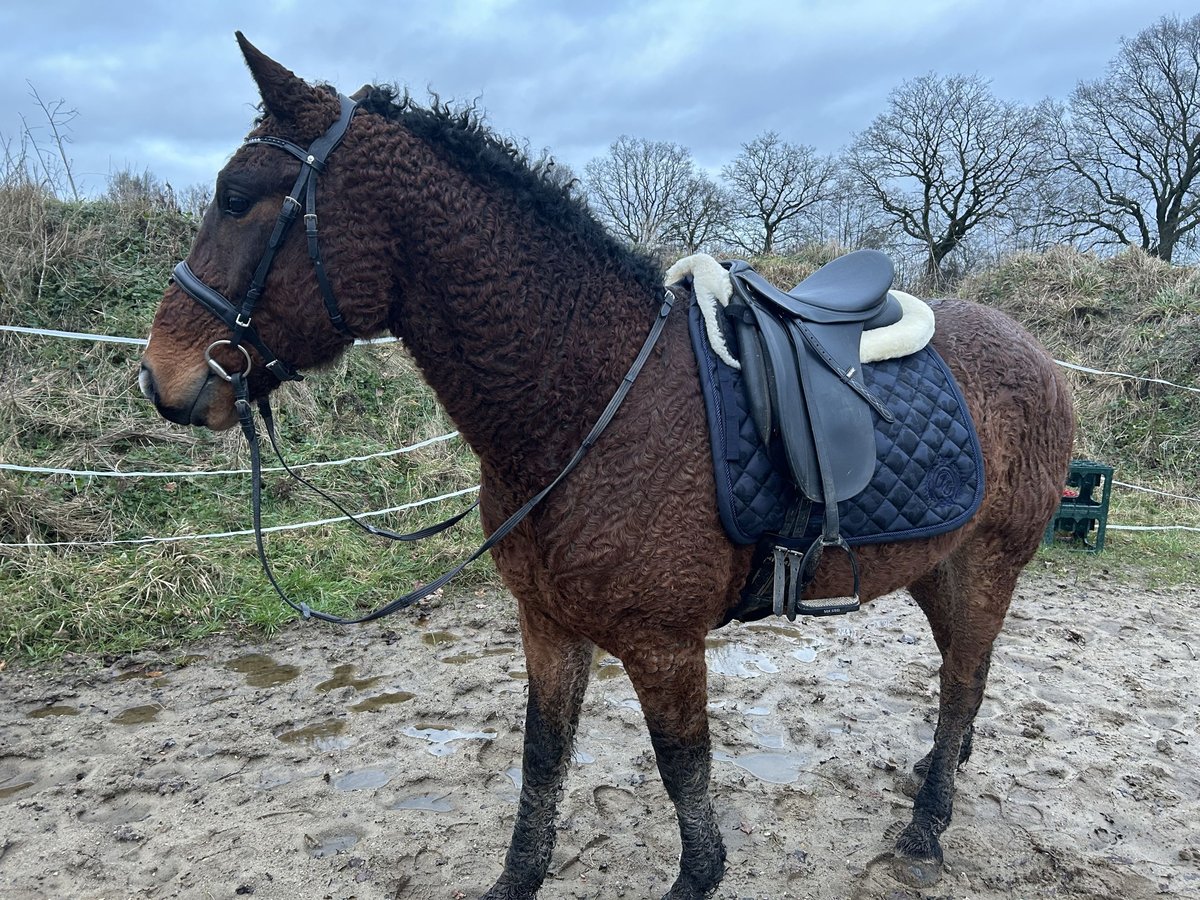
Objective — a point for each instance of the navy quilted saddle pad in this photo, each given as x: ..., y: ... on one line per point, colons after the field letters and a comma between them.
x: 929, y: 469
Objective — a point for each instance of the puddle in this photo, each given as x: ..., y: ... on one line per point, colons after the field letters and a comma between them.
x: 362, y: 780
x: 605, y: 667
x: 757, y: 711
x: 837, y: 676
x: 10, y: 789
x: 467, y: 656
x: 322, y: 736
x: 56, y: 710
x: 138, y: 715
x: 261, y: 671
x: 343, y: 676
x: 426, y: 802
x: 441, y: 739
x: 374, y: 704
x: 583, y: 757
x: 328, y: 844
x: 768, y: 740
x: 514, y: 775
x: 728, y: 658
x: 608, y: 672
x: 518, y: 675
x: 805, y: 654
x: 776, y: 767
x: 439, y: 638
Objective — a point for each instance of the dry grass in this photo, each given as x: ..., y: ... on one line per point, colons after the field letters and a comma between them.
x: 100, y: 266
x: 1129, y: 313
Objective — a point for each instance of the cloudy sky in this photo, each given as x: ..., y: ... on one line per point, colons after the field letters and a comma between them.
x: 161, y: 86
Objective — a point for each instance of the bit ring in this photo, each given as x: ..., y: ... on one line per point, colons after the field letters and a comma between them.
x: 218, y: 369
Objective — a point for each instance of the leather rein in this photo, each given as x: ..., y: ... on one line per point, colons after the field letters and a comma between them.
x: 239, y: 319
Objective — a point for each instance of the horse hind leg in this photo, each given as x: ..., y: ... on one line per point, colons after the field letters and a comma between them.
x: 671, y: 683
x: 965, y: 604
x: 558, y: 665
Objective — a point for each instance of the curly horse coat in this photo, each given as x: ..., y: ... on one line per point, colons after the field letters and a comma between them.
x: 523, y: 315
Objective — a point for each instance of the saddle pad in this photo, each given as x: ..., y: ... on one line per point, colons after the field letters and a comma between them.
x: 928, y: 476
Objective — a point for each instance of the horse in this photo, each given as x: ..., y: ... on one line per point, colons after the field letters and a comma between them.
x: 523, y: 314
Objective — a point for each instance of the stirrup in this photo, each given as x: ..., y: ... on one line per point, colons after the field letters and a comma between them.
x: 794, y: 570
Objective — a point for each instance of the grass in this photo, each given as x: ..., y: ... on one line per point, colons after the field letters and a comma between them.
x: 99, y: 266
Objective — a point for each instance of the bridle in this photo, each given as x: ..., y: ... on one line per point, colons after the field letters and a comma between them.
x: 241, y: 319
x: 240, y: 322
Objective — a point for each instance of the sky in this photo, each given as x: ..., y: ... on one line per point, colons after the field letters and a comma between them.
x: 161, y: 86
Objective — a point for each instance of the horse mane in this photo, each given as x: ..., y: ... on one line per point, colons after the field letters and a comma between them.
x: 461, y: 134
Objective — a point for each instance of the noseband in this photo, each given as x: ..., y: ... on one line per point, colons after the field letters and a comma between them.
x: 240, y: 319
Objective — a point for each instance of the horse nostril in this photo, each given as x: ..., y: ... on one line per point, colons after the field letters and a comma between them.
x: 146, y: 383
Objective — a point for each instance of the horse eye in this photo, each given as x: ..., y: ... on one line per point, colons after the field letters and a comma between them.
x: 236, y: 205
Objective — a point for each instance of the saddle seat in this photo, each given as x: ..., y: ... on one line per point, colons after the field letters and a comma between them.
x: 851, y: 288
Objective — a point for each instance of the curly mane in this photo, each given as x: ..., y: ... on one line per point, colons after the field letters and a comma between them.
x: 461, y: 134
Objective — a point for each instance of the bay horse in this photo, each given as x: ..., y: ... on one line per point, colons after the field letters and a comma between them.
x: 523, y: 315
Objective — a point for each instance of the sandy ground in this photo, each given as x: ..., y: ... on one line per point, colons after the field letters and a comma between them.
x: 384, y: 761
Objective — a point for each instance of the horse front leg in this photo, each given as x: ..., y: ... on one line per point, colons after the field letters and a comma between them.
x: 558, y: 665
x: 671, y: 683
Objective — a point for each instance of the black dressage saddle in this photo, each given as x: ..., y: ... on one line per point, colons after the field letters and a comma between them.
x: 799, y: 353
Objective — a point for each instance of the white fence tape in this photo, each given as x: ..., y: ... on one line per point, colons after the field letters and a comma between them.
x: 246, y: 531
x: 1138, y: 487
x: 200, y: 473
x: 1091, y: 371
x: 73, y: 335
x: 140, y: 342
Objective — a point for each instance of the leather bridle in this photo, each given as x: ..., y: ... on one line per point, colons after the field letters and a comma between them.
x: 241, y: 319
x: 240, y: 322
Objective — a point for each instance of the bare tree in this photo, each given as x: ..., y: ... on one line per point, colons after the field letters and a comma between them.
x: 946, y: 157
x: 849, y: 218
x: 701, y: 215
x: 773, y: 185
x: 636, y: 188
x: 1130, y: 143
x: 54, y: 162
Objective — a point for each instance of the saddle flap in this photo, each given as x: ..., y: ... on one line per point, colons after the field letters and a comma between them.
x: 815, y: 414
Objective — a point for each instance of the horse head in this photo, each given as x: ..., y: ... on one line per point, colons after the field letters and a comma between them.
x: 255, y: 298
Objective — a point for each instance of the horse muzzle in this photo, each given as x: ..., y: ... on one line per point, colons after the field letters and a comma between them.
x: 200, y: 399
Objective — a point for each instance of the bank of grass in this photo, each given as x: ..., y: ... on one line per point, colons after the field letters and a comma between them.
x: 99, y: 266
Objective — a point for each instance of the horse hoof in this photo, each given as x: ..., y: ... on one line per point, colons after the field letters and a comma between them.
x: 508, y: 892
x: 917, y: 873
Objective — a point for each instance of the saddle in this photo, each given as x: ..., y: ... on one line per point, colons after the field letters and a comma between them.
x: 799, y: 354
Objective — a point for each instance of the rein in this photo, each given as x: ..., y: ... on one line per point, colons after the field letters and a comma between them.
x: 246, y: 419
x: 240, y: 322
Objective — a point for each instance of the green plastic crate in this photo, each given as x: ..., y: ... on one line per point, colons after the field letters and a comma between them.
x: 1084, y: 506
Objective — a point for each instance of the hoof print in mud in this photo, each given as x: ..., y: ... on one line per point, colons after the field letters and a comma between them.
x: 917, y: 873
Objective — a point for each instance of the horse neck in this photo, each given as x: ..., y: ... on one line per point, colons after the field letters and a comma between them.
x: 524, y: 335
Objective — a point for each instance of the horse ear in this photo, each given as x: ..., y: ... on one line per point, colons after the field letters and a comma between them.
x: 361, y: 94
x: 284, y: 95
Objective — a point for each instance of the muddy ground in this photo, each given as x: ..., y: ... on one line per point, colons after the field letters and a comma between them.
x: 383, y: 762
